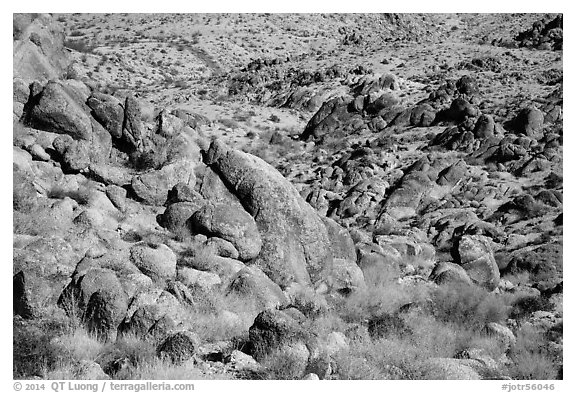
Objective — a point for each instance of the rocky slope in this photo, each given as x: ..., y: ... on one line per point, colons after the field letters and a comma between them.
x: 280, y: 196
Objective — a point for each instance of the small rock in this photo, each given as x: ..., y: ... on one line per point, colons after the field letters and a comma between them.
x: 178, y: 347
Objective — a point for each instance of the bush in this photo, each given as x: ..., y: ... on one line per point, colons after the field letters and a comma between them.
x: 533, y: 358
x: 160, y: 152
x: 468, y: 305
x: 283, y: 364
x: 128, y: 350
x: 526, y: 305
x: 79, y: 46
x: 34, y: 354
x: 81, y: 195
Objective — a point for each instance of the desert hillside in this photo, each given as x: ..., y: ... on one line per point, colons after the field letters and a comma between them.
x: 288, y: 196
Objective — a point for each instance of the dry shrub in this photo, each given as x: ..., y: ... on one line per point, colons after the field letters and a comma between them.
x: 34, y: 352
x: 128, y: 349
x: 283, y: 364
x: 468, y: 305
x: 157, y: 369
x: 533, y: 357
x: 383, y: 298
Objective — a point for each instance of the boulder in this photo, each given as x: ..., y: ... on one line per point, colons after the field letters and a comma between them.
x: 276, y: 329
x: 168, y: 125
x: 117, y: 196
x: 204, y: 258
x: 108, y: 111
x: 109, y: 174
x: 530, y: 122
x: 152, y: 312
x: 346, y: 277
x: 502, y: 333
x: 60, y: 108
x: 405, y: 199
x: 152, y: 187
x: 474, y: 253
x: 422, y: 115
x: 197, y: 278
x: 98, y: 294
x: 447, y: 273
x: 231, y: 224
x: 133, y: 131
x: 342, y: 245
x: 295, y: 242
x: 157, y: 261
x: 485, y: 127
x: 177, y: 215
x: 450, y: 175
x: 178, y: 347
x: 252, y: 284
x: 57, y: 110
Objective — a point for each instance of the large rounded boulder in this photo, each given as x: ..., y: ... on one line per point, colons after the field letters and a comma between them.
x: 295, y: 242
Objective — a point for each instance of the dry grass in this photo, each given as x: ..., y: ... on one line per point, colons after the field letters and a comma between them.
x: 165, y: 370
x: 468, y: 305
x: 533, y: 357
x: 283, y: 364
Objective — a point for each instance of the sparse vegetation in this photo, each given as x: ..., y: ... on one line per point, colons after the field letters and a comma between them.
x: 408, y: 225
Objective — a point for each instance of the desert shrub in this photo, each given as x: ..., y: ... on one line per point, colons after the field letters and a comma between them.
x: 129, y: 350
x: 391, y: 358
x: 159, y: 152
x: 39, y: 221
x: 523, y: 306
x: 75, y: 346
x: 158, y: 369
x: 33, y: 351
x: 79, y: 46
x: 283, y: 364
x: 385, y: 325
x: 229, y: 123
x: 468, y: 305
x: 384, y: 297
x: 533, y: 358
x: 81, y: 195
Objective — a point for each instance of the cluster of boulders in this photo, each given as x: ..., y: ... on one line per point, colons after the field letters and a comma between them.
x: 544, y: 34
x: 130, y: 224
